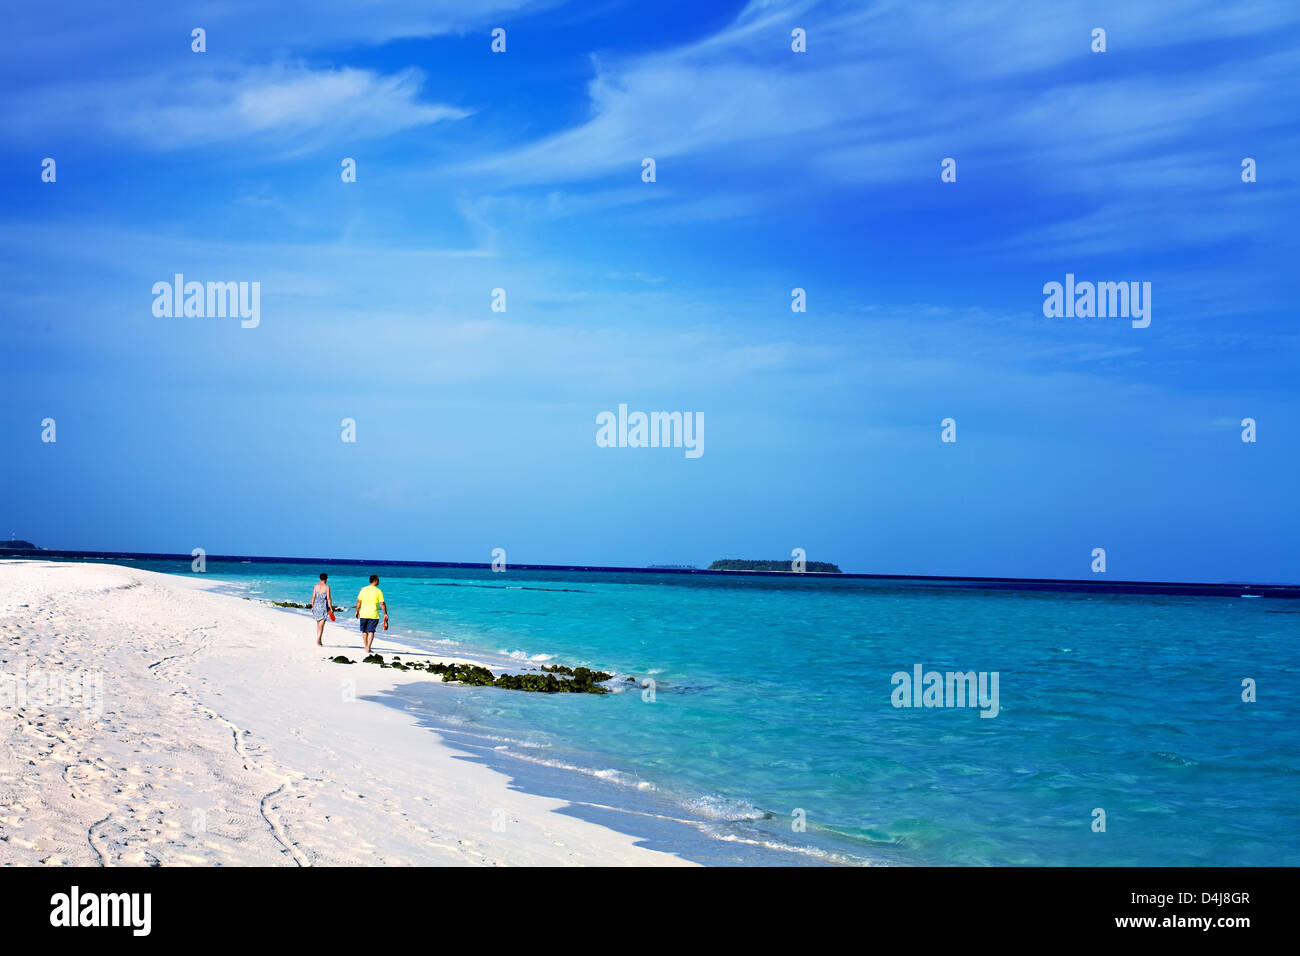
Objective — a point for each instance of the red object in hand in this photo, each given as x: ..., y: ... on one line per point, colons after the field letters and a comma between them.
x: 385, y: 623
x: 331, y: 615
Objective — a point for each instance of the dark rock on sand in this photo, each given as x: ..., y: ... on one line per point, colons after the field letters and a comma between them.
x: 583, y: 679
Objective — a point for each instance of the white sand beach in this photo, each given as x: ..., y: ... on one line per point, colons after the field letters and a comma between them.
x: 150, y: 721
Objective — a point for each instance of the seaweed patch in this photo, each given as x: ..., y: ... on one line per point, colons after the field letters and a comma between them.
x: 575, y: 680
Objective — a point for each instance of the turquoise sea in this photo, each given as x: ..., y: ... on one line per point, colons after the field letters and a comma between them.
x: 770, y: 736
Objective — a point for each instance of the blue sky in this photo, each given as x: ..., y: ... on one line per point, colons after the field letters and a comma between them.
x: 775, y: 170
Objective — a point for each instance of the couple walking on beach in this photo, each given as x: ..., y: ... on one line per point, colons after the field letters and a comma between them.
x: 369, y: 600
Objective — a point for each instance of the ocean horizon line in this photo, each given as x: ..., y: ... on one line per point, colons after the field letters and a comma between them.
x: 1075, y: 585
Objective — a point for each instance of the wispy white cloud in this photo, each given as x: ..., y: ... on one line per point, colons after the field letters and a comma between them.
x: 887, y: 89
x: 126, y: 38
x: 294, y: 106
x: 645, y: 277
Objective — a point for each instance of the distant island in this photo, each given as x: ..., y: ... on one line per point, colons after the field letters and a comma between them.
x: 16, y: 545
x: 737, y: 564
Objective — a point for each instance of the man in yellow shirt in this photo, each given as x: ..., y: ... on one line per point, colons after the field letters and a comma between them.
x: 369, y: 601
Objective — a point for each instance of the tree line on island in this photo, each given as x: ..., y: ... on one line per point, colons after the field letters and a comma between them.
x: 739, y: 564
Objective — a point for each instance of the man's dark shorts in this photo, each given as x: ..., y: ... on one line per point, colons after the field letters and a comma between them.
x: 368, y: 625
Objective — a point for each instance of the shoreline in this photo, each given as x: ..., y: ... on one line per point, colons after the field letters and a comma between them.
x: 655, y: 816
x: 225, y: 736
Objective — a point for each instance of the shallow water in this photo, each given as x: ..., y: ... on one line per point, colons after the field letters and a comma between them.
x: 772, y: 706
